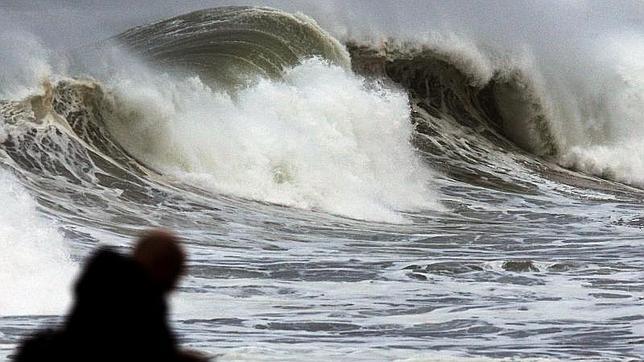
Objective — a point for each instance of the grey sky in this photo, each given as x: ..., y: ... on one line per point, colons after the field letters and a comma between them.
x: 70, y: 23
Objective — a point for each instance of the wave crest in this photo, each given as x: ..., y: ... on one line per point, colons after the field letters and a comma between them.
x: 465, y: 86
x: 230, y: 45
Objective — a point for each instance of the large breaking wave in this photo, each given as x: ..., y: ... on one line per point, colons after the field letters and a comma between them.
x: 236, y: 108
x: 266, y: 105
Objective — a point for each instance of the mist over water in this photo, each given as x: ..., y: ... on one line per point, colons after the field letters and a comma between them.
x: 364, y: 180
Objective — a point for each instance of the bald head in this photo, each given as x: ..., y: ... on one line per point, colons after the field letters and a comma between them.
x: 161, y: 255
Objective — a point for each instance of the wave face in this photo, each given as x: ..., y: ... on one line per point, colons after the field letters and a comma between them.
x: 232, y: 45
x: 502, y: 104
x: 365, y: 199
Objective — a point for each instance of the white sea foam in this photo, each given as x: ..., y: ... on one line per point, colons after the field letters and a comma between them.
x: 35, y: 267
x: 321, y: 138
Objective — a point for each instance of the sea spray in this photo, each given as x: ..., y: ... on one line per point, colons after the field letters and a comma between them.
x: 614, y: 118
x: 25, y: 64
x: 320, y: 138
x: 35, y: 266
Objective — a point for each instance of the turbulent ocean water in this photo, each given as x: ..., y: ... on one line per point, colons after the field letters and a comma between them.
x: 341, y: 197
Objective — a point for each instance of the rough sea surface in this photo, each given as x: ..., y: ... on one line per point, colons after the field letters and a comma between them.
x: 339, y: 200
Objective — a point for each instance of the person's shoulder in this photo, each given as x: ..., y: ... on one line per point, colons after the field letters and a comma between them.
x: 42, y: 346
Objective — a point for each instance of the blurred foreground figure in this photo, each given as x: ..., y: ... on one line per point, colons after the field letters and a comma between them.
x: 120, y: 312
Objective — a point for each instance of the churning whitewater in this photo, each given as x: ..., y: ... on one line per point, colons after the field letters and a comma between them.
x: 431, y: 196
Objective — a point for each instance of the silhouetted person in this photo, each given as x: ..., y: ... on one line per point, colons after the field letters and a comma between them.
x: 120, y: 312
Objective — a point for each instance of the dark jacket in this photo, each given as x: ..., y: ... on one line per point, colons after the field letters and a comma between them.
x: 119, y: 315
